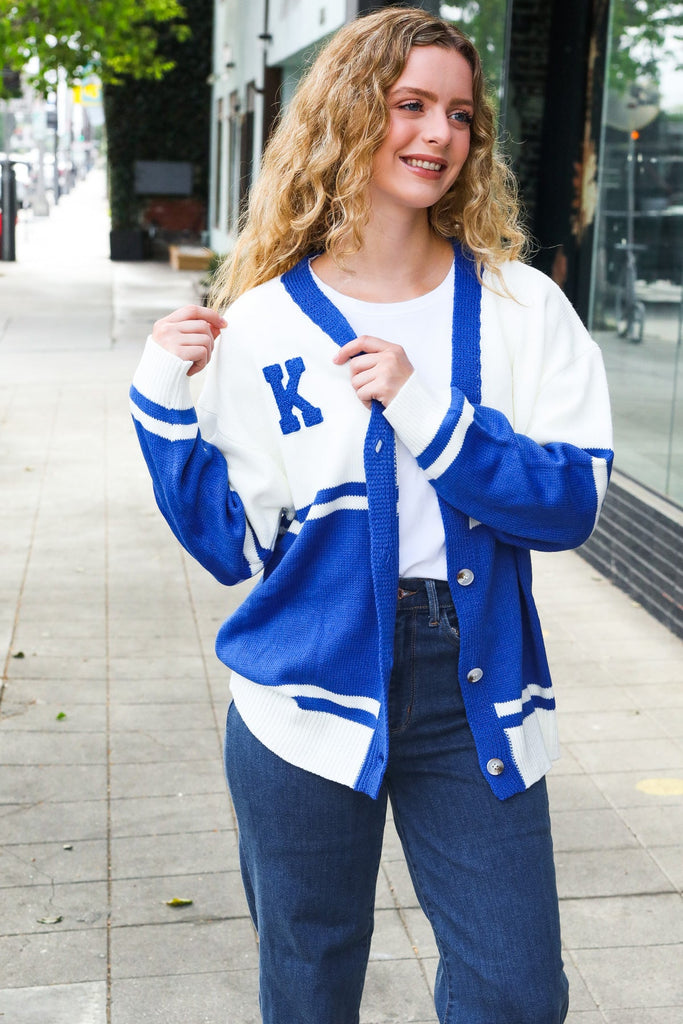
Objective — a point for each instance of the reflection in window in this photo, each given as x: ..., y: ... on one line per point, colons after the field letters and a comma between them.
x: 638, y: 266
x: 484, y: 22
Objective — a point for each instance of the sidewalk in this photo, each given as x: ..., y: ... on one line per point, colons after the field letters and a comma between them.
x: 113, y: 799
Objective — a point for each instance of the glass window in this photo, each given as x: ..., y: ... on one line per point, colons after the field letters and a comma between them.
x: 484, y: 22
x: 638, y: 266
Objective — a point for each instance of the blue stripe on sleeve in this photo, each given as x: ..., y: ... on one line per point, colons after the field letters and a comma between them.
x: 160, y: 412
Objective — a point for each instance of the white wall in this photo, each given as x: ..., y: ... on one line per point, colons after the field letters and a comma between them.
x: 296, y: 24
x: 294, y: 27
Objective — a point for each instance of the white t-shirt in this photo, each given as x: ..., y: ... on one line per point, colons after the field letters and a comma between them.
x: 423, y: 327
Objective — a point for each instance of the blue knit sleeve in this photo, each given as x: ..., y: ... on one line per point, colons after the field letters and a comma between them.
x: 542, y: 489
x: 190, y: 475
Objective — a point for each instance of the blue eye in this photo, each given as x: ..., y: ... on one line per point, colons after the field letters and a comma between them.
x: 414, y: 106
x: 462, y: 117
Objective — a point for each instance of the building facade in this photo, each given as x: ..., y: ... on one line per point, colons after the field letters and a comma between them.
x: 590, y: 100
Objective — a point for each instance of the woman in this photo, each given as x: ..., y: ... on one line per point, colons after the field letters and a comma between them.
x: 397, y: 412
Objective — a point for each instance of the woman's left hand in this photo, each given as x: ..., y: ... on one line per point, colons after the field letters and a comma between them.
x: 378, y: 369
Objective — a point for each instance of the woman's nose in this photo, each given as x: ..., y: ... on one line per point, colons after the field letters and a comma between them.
x: 437, y: 128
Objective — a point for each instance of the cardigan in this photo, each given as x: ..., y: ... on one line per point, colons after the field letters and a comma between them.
x: 281, y: 470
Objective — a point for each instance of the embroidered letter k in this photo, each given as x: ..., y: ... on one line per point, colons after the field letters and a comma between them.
x: 289, y: 397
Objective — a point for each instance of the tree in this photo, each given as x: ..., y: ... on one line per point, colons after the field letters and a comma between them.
x: 109, y: 38
x: 484, y: 22
x: 643, y: 31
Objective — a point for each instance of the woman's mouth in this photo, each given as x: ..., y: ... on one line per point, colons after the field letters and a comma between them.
x: 425, y: 165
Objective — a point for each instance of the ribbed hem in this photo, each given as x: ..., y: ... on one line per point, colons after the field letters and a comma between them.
x: 162, y: 377
x: 324, y: 744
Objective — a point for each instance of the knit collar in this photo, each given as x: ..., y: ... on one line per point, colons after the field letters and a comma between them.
x: 466, y: 365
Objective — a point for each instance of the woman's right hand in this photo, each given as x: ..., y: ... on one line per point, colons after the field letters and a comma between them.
x: 190, y: 333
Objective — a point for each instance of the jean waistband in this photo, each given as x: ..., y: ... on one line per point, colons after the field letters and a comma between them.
x: 415, y: 593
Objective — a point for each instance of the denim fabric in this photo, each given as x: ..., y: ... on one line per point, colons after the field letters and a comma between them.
x: 482, y: 868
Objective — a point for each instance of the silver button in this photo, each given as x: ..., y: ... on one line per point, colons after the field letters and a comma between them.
x: 474, y: 675
x: 495, y: 766
x: 465, y: 577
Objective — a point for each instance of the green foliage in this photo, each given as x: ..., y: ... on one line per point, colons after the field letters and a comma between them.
x: 642, y: 33
x: 484, y: 22
x: 110, y: 38
x: 163, y: 120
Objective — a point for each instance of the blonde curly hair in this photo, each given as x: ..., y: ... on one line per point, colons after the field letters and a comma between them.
x: 311, y: 193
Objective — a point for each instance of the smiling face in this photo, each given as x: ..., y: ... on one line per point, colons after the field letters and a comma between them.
x: 428, y: 139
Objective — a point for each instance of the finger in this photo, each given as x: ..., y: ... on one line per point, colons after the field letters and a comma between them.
x: 210, y: 316
x: 363, y: 363
x: 365, y: 343
x: 363, y: 379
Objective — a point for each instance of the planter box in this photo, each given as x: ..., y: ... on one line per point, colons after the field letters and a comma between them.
x: 189, y: 257
x: 126, y: 244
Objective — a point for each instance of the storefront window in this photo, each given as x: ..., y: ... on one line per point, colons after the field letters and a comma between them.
x: 637, y: 302
x: 484, y: 22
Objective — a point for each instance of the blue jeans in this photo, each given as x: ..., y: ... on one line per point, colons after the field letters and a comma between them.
x: 482, y: 869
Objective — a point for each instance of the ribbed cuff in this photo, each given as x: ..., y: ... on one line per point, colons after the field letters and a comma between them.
x: 416, y: 414
x: 162, y: 377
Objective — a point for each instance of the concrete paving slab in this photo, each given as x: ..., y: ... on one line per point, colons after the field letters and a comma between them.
x: 53, y: 749
x: 390, y: 940
x: 612, y: 724
x: 78, y: 905
x: 633, y: 977
x: 589, y: 873
x: 183, y: 948
x: 590, y: 829
x: 656, y: 826
x: 396, y: 990
x: 574, y: 792
x: 56, y: 691
x: 600, y: 695
x: 636, y: 789
x: 79, y: 332
x: 622, y: 921
x: 160, y: 667
x: 644, y: 1015
x: 53, y: 958
x: 56, y: 863
x: 401, y: 885
x: 174, y: 717
x: 420, y: 933
x: 42, y: 782
x: 151, y: 745
x: 670, y: 860
x: 168, y: 778
x: 151, y: 690
x: 206, y: 998
x: 629, y: 755
x: 656, y: 695
x: 62, y: 717
x: 216, y: 897
x: 580, y: 999
x: 144, y: 856
x: 168, y: 815
x: 37, y: 667
x: 56, y: 1004
x: 53, y: 822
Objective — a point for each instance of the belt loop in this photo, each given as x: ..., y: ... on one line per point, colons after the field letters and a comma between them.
x: 433, y: 602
